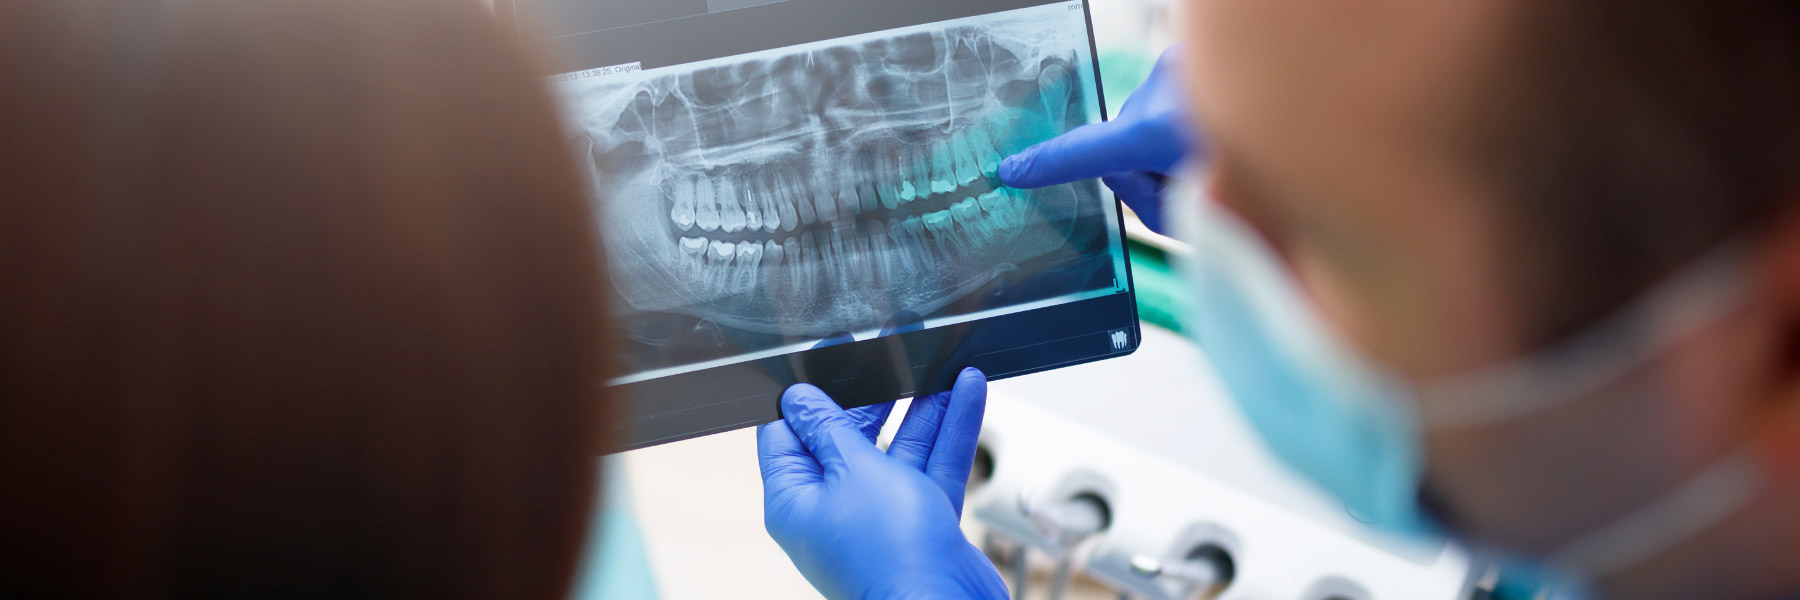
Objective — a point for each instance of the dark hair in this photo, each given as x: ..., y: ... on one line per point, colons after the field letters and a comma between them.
x: 1631, y: 136
x: 297, y: 297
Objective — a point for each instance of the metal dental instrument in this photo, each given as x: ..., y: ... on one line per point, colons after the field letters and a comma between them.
x: 1201, y: 572
x: 1069, y: 523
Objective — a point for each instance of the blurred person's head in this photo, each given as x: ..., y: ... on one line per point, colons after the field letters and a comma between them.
x: 1461, y: 184
x: 297, y: 297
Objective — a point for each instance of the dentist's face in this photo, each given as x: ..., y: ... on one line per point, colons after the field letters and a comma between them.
x: 1332, y: 124
x: 1344, y: 132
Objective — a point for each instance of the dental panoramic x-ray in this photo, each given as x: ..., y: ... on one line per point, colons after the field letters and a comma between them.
x: 776, y: 181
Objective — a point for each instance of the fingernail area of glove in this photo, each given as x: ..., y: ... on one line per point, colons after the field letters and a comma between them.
x: 807, y: 404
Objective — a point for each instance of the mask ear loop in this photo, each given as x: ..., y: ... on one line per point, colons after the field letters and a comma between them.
x: 1685, y: 512
x: 1700, y: 295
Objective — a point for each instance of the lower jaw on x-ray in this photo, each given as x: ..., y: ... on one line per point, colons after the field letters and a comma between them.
x: 773, y: 201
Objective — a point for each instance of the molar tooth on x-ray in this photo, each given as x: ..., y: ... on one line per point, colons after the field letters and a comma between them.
x: 828, y: 186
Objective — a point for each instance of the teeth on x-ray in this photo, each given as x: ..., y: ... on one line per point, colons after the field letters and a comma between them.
x: 828, y: 188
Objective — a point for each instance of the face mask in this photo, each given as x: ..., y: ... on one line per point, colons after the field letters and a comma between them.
x: 1356, y: 430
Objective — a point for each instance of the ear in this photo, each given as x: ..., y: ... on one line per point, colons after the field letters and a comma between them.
x: 1781, y: 260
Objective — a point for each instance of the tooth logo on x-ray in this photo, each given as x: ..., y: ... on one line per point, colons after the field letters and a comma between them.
x: 827, y: 187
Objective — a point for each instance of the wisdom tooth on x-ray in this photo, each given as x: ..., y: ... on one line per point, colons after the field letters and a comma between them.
x: 826, y: 188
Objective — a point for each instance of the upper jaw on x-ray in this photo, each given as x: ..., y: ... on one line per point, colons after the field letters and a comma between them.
x: 827, y: 189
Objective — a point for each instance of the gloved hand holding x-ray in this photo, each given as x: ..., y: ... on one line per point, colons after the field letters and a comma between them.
x: 821, y: 469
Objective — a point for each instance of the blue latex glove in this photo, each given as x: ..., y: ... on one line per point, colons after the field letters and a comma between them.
x: 1133, y: 154
x: 860, y: 523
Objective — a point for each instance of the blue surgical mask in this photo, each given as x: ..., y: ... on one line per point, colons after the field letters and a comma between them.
x: 1357, y: 430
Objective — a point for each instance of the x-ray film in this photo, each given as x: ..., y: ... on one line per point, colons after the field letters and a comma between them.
x: 756, y: 206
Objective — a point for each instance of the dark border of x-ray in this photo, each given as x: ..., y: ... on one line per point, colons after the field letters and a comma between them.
x: 903, y: 365
x: 1089, y: 191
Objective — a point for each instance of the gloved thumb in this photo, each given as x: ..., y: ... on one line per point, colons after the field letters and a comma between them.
x: 822, y: 426
x: 1143, y: 193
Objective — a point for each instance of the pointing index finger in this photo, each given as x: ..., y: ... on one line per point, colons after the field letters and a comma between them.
x: 1085, y: 152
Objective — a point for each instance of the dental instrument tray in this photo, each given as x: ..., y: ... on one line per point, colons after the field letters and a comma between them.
x: 806, y: 191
